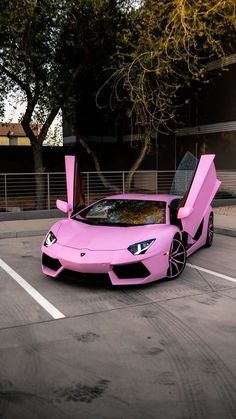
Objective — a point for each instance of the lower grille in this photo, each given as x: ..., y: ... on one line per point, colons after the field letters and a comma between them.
x: 85, y: 276
x: 51, y: 263
x: 131, y: 270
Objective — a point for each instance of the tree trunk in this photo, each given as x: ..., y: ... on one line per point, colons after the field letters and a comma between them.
x: 138, y: 161
x: 39, y: 176
x: 104, y: 181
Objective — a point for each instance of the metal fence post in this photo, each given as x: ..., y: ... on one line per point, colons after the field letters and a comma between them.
x: 123, y: 182
x: 48, y: 187
x: 5, y: 190
x: 186, y: 180
x: 87, y: 188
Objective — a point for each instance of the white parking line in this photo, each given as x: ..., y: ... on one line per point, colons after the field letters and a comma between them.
x: 199, y: 268
x: 53, y: 311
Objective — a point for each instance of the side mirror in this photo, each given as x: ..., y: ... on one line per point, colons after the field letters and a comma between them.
x: 63, y: 206
x: 184, y: 212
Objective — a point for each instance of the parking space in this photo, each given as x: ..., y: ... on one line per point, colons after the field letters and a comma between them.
x: 164, y: 350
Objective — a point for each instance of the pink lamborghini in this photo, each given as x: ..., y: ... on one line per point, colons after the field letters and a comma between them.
x: 131, y: 238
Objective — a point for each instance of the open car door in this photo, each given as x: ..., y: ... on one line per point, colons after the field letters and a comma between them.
x: 196, y: 201
x: 74, y: 185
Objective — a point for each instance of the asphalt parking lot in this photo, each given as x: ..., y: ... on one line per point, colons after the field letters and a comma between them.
x: 87, y: 350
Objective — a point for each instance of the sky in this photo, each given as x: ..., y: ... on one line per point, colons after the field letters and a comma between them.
x: 11, y: 114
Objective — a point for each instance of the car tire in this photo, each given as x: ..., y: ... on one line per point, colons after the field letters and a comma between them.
x: 177, y: 258
x: 210, y: 231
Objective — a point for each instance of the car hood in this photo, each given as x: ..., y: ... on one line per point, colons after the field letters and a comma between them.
x: 75, y: 234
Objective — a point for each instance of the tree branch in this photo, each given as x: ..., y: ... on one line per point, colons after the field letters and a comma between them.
x: 17, y: 80
x: 97, y: 166
x: 138, y: 161
x: 53, y: 113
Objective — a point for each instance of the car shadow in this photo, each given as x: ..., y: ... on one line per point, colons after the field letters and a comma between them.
x: 101, y: 283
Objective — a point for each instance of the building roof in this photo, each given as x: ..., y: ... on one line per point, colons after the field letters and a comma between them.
x: 15, y: 129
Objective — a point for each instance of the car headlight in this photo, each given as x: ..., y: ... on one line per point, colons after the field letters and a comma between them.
x: 50, y: 239
x: 140, y: 248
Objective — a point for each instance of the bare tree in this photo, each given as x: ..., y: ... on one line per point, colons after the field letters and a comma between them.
x: 164, y: 51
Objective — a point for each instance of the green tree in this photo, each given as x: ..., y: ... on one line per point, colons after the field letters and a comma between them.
x: 45, y: 48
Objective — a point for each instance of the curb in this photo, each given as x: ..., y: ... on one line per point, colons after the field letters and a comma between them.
x: 30, y: 215
x: 17, y: 234
x: 33, y: 233
x: 225, y: 231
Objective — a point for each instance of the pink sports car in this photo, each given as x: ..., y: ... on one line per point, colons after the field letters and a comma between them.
x: 131, y: 238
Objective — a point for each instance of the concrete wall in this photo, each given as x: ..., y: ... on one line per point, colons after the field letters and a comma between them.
x: 212, y: 120
x: 222, y: 144
x: 111, y: 157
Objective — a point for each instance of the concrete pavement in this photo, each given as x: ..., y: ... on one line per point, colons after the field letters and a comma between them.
x: 224, y: 224
x: 161, y: 351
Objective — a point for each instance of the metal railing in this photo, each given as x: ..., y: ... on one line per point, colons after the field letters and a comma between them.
x: 18, y: 190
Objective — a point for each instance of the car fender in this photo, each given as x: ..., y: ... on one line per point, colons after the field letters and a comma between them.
x: 55, y: 228
x: 163, y: 241
x: 173, y: 231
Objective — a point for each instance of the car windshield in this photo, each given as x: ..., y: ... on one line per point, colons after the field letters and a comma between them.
x: 124, y: 212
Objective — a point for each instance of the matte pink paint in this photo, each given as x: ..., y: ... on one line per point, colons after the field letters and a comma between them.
x: 87, y: 248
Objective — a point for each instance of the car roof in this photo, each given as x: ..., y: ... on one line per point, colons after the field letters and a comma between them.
x: 147, y: 197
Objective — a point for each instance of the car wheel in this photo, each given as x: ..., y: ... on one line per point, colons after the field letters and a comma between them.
x: 177, y: 258
x: 210, y: 232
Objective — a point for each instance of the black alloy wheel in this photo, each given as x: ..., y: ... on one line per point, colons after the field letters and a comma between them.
x: 177, y: 259
x: 210, y: 231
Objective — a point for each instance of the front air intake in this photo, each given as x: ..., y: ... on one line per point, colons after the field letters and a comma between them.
x: 51, y: 263
x: 131, y: 270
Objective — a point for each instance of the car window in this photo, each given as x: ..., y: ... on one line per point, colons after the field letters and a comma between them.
x: 184, y: 175
x: 128, y: 212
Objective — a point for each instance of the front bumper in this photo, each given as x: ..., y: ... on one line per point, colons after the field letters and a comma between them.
x: 120, y: 266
